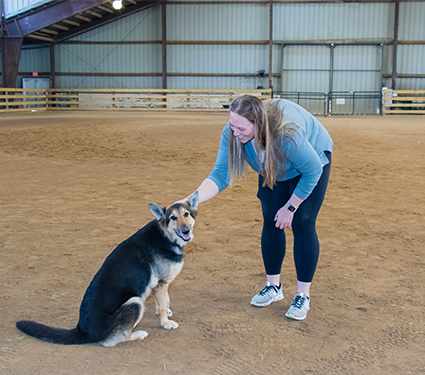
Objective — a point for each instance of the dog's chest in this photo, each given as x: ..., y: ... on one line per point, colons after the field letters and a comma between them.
x: 166, y: 271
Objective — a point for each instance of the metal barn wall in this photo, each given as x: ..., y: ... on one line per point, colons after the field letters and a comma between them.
x: 217, y: 22
x: 331, y: 22
x: 411, y: 58
x: 33, y: 60
x: 198, y: 56
x: 118, y: 58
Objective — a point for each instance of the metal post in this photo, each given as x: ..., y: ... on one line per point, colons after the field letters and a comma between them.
x: 271, y: 45
x: 52, y: 66
x: 331, y: 78
x: 381, y: 59
x: 281, y: 70
x: 164, y: 51
x: 394, y: 75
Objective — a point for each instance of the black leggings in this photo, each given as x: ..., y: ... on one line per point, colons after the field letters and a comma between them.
x: 306, y: 242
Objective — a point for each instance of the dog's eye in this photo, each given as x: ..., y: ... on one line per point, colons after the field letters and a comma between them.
x: 174, y: 218
x: 186, y: 214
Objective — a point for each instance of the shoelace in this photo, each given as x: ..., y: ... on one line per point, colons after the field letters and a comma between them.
x: 266, y: 289
x: 299, y: 301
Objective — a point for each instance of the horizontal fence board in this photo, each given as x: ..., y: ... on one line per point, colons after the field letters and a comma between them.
x: 12, y: 100
x: 405, y: 112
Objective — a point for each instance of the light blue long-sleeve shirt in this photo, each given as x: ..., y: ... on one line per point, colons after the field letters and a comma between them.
x: 305, y: 157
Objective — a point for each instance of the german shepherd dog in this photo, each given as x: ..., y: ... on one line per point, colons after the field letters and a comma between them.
x: 145, y: 263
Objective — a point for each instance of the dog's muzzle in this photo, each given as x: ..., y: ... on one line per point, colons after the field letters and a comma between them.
x: 184, y: 234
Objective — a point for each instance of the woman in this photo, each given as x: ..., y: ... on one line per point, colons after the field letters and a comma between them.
x: 291, y: 152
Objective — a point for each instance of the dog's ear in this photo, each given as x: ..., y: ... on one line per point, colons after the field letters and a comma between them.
x: 193, y: 200
x: 157, y: 211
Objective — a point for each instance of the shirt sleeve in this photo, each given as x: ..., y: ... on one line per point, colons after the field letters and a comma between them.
x: 219, y: 174
x: 305, y: 160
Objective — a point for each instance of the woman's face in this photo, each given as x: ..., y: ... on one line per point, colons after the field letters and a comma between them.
x: 241, y: 127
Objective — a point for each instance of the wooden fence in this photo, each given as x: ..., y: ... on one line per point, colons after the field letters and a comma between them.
x: 403, y: 102
x: 14, y: 100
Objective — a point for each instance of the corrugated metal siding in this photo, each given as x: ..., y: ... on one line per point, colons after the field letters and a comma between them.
x: 331, y: 21
x: 357, y: 68
x: 217, y: 22
x: 108, y: 82
x: 217, y: 58
x: 35, y: 60
x: 145, y: 25
x: 109, y: 58
x: 411, y: 21
x: 306, y: 68
x: 114, y: 58
x: 14, y: 7
x: 410, y: 58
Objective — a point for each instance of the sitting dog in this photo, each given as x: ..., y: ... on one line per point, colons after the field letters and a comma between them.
x: 146, y: 262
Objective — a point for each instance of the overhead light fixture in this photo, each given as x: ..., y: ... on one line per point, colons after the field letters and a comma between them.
x: 117, y: 4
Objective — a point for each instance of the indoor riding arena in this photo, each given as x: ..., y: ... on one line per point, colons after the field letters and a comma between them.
x: 81, y: 159
x: 76, y: 184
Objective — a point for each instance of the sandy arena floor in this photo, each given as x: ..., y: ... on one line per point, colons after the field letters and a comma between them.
x: 74, y: 185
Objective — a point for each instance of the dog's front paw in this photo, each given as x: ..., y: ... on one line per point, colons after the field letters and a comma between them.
x: 170, y: 325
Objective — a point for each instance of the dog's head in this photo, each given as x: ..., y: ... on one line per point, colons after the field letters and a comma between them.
x: 177, y: 220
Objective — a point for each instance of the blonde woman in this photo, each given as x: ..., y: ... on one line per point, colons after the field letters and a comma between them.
x: 291, y: 151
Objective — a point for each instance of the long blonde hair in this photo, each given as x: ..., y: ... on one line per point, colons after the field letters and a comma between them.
x: 269, y: 133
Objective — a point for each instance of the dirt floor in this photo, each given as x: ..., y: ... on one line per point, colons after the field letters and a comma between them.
x: 74, y: 185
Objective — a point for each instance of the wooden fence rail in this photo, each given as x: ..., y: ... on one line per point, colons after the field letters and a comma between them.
x: 403, y: 102
x: 13, y: 100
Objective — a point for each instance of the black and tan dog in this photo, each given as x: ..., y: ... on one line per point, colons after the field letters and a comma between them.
x: 114, y: 301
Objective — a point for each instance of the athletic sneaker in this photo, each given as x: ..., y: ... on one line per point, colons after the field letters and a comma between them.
x: 299, y: 307
x: 269, y: 294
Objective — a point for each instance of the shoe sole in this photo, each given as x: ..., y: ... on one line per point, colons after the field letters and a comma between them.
x: 277, y: 298
x: 290, y: 316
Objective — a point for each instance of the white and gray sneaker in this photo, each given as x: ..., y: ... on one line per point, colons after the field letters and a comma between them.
x: 269, y: 294
x: 299, y: 307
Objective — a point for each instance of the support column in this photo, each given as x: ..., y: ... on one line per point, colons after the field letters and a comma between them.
x: 271, y: 46
x: 52, y: 66
x: 164, y: 47
x: 331, y: 77
x: 395, y: 45
x: 10, y: 55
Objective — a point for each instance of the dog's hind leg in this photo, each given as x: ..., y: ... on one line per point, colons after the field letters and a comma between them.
x: 162, y: 302
x: 124, y: 320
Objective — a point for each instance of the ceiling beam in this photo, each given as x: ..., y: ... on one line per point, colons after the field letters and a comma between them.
x: 41, y: 37
x: 105, y: 9
x: 80, y: 17
x: 39, y: 19
x: 61, y: 27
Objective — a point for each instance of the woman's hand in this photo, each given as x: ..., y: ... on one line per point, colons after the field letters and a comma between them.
x: 284, y: 218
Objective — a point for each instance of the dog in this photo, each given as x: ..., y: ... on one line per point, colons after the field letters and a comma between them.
x: 145, y: 263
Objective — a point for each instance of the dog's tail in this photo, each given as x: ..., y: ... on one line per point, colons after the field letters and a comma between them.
x: 54, y: 335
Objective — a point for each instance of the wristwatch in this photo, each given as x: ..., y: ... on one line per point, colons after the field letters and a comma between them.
x: 291, y: 208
